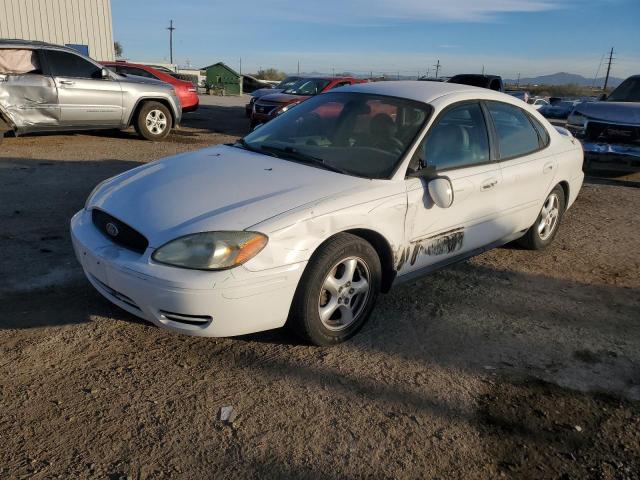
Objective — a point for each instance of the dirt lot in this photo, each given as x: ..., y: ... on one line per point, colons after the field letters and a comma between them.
x: 516, y: 364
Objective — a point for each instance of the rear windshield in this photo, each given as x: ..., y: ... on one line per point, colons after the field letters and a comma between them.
x: 309, y: 86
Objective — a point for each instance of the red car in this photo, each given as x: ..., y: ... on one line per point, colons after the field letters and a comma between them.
x: 187, y: 92
x: 270, y: 106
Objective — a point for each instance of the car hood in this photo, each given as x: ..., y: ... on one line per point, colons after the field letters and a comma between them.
x: 218, y: 188
x: 616, y: 112
x: 284, y: 98
x: 265, y: 91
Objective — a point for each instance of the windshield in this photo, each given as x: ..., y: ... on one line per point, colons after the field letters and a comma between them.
x: 359, y: 134
x: 627, y: 91
x: 308, y: 86
x: 287, y: 83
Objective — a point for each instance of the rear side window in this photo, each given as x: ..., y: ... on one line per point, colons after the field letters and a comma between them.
x: 542, y: 132
x: 516, y: 134
x: 65, y: 64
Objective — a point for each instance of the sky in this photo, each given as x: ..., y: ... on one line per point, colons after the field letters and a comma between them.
x: 406, y: 37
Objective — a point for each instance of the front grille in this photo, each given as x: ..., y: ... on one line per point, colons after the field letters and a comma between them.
x: 611, y: 133
x: 119, y: 232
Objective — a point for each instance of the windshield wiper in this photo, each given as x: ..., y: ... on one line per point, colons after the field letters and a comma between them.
x: 293, y: 154
x: 244, y: 145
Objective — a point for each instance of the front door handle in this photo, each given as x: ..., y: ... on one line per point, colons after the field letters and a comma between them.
x: 67, y: 82
x: 487, y: 184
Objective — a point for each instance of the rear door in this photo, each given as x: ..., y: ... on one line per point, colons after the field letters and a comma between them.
x: 30, y: 97
x: 528, y: 166
x: 457, y: 146
x: 84, y: 97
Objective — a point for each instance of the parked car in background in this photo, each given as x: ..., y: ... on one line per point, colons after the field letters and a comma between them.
x: 559, y: 110
x: 45, y: 87
x: 270, y: 106
x: 308, y: 218
x: 538, y: 103
x: 521, y: 94
x: 280, y: 87
x: 610, y: 129
x: 187, y: 91
x: 492, y: 82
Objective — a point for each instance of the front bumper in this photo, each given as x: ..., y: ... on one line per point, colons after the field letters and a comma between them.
x: 193, y: 302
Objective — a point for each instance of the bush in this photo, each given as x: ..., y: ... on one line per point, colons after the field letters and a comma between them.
x: 270, y: 74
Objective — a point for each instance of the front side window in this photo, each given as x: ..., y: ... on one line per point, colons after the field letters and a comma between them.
x: 358, y: 134
x: 459, y: 138
x: 65, y: 64
x: 516, y: 134
x: 136, y: 71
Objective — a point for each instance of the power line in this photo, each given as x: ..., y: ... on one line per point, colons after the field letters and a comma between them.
x: 171, y: 28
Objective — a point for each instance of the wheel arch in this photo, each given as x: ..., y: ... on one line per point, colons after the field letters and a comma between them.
x: 565, y: 189
x: 142, y: 101
x: 384, y: 251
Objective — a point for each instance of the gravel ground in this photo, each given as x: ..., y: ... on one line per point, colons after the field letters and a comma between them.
x: 516, y: 364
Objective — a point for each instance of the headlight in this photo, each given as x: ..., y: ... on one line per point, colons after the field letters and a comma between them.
x: 285, y: 108
x: 577, y: 119
x: 211, y: 250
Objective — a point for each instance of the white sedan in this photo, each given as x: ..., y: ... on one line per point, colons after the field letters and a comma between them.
x: 309, y: 217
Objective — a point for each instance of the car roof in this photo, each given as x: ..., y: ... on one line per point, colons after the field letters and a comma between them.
x: 31, y: 44
x: 424, y: 91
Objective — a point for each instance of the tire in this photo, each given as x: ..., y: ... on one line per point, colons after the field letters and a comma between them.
x: 537, y: 237
x: 336, y: 258
x: 154, y: 121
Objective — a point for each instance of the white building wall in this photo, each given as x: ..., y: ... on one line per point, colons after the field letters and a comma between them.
x: 84, y: 22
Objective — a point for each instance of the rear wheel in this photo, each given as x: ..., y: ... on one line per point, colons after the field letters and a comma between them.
x: 337, y: 291
x: 154, y: 121
x: 543, y: 231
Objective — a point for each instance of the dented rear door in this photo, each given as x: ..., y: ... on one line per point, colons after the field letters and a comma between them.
x: 29, y: 101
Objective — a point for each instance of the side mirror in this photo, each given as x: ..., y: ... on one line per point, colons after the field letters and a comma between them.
x: 104, y: 73
x: 602, y: 97
x: 441, y: 191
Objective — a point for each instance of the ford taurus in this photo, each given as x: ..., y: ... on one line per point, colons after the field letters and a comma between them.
x: 308, y: 218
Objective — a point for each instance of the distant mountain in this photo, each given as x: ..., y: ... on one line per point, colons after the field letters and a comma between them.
x: 563, y: 78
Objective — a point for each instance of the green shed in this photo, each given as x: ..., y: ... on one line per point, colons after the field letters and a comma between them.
x: 221, y: 76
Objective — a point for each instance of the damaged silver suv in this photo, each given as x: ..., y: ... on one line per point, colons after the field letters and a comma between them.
x: 45, y: 87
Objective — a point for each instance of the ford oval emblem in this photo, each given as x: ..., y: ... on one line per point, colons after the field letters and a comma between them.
x: 112, y: 229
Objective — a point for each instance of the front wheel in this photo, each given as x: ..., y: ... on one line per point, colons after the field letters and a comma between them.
x: 543, y: 231
x: 337, y: 292
x: 154, y: 121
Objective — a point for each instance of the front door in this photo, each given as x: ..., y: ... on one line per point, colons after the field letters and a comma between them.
x: 85, y: 98
x: 457, y: 147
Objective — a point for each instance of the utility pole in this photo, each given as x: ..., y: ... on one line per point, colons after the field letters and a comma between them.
x: 171, y: 29
x: 606, y: 79
x: 437, y: 65
x: 240, y: 66
x: 333, y: 72
x: 482, y: 69
x: 298, y: 67
x: 518, y: 81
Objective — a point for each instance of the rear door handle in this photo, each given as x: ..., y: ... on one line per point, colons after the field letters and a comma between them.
x: 547, y: 167
x: 487, y: 184
x: 67, y: 82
